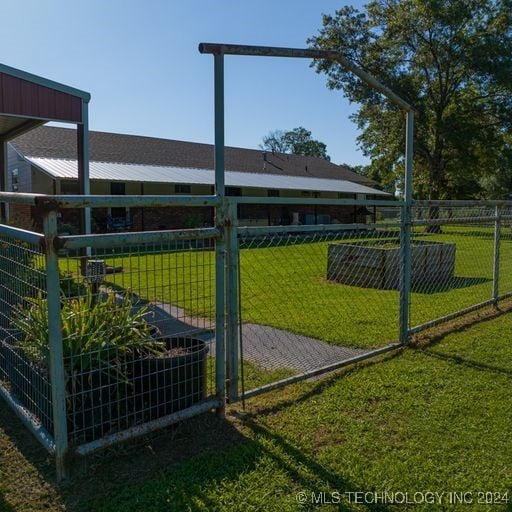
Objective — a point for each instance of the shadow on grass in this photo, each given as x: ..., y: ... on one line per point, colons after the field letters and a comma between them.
x: 431, y: 337
x: 454, y: 283
x: 323, y: 383
x: 199, y: 461
x: 111, y: 470
x: 215, y: 478
x: 293, y: 460
x: 468, y: 362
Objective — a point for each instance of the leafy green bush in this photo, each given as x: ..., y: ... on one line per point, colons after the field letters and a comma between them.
x: 97, y: 332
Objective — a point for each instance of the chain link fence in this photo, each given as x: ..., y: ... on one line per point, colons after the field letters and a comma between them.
x: 312, y: 300
x: 460, y: 260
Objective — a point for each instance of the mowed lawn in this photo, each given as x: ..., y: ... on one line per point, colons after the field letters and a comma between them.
x: 285, y: 286
x: 426, y: 420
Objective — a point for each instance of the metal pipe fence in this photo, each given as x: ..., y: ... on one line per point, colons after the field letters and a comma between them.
x: 107, y: 336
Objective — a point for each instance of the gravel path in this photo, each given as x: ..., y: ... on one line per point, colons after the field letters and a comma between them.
x: 268, y: 347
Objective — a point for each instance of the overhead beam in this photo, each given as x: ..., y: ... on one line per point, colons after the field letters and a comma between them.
x: 304, y: 53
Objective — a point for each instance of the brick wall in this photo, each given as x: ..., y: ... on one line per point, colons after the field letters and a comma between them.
x: 153, y: 219
x: 20, y: 215
x: 283, y: 214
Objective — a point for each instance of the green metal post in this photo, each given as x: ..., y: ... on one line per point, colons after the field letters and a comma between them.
x: 232, y: 347
x: 4, y: 169
x: 220, y: 246
x: 405, y: 242
x: 57, y: 376
x: 496, y: 268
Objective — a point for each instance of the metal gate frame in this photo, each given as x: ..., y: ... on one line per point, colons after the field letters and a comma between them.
x: 226, y: 219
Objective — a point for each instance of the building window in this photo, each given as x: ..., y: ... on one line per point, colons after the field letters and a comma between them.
x: 316, y: 194
x: 117, y: 188
x: 15, y: 180
x: 69, y: 187
x: 179, y: 188
x: 233, y: 191
x: 273, y: 192
x: 306, y: 193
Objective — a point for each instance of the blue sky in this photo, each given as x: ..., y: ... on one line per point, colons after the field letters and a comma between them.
x: 140, y: 62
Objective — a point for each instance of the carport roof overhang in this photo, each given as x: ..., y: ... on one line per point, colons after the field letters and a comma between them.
x: 27, y: 101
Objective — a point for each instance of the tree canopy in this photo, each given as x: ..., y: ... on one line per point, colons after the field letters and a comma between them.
x: 452, y: 61
x: 297, y: 141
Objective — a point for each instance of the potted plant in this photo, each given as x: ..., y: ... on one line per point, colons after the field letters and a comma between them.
x: 118, y: 372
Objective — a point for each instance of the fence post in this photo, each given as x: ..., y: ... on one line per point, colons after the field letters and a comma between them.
x: 220, y: 244
x: 496, y: 267
x: 57, y: 374
x: 232, y: 349
x: 405, y: 233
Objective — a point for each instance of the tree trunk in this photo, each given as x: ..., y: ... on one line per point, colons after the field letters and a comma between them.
x: 433, y: 211
x: 433, y: 214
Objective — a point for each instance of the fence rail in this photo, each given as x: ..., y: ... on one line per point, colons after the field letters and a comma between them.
x: 107, y: 336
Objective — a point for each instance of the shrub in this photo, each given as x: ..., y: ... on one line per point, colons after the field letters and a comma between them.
x: 97, y: 332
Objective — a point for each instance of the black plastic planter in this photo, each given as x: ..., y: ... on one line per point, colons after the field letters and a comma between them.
x: 27, y: 381
x: 165, y: 385
x: 100, y: 403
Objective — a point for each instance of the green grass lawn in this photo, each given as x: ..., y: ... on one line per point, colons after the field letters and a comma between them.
x: 432, y: 419
x: 285, y: 287
x: 254, y: 376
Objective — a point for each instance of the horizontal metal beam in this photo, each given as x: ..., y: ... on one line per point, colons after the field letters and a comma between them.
x: 250, y: 231
x: 266, y: 51
x: 40, y: 433
x: 20, y: 198
x: 319, y: 371
x: 96, y: 201
x: 21, y: 234
x: 313, y: 201
x: 105, y: 201
x: 134, y: 238
x: 453, y: 316
x: 454, y: 220
x: 460, y: 203
x: 150, y: 426
x: 304, y: 53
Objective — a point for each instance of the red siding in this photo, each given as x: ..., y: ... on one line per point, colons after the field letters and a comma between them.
x: 23, y: 98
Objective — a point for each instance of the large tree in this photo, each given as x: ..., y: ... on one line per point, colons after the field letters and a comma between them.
x: 451, y: 60
x: 297, y: 141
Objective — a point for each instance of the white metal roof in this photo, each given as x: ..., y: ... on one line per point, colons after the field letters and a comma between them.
x: 107, y: 171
